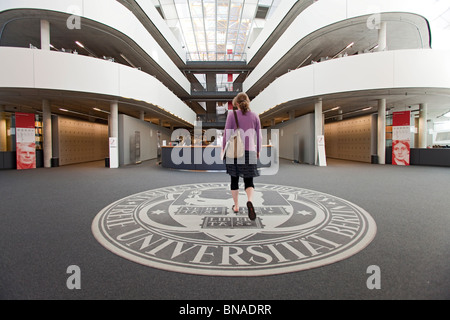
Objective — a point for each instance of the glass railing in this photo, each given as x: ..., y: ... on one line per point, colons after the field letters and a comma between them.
x: 217, y: 88
x: 216, y: 56
x: 213, y: 118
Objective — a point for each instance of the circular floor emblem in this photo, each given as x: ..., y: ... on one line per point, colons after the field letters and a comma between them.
x: 192, y: 229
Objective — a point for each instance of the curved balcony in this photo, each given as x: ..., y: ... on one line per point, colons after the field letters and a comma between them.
x: 26, y: 71
x: 326, y: 27
x: 403, y: 77
x: 119, y: 23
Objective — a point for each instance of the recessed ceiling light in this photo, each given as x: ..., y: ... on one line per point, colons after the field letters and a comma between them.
x: 79, y: 44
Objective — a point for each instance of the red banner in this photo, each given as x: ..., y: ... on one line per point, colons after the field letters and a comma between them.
x: 401, y: 138
x: 25, y: 141
x: 400, y: 119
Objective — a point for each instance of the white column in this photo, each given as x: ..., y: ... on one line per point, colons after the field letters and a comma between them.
x: 318, y: 125
x: 47, y: 133
x: 45, y: 35
x: 114, y: 135
x: 142, y: 115
x: 382, y: 37
x: 423, y: 127
x: 381, y: 131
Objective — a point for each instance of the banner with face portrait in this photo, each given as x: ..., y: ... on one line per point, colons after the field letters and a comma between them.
x: 401, y: 138
x: 25, y: 141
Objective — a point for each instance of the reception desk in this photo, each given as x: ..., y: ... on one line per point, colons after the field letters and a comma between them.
x: 200, y: 158
x: 425, y: 157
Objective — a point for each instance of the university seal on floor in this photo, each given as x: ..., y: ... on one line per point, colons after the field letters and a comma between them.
x: 193, y: 229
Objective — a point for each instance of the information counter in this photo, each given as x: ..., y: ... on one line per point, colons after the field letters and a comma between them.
x: 425, y: 157
x: 201, y: 158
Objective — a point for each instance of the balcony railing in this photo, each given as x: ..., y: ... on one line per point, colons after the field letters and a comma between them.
x: 212, y: 119
x: 215, y: 56
x: 216, y: 88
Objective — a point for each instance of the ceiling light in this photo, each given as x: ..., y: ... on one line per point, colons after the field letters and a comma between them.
x: 53, y: 47
x: 85, y: 48
x: 304, y: 61
x: 79, y: 44
x: 343, y: 50
x: 334, y: 109
x: 82, y: 114
x: 128, y: 61
x: 100, y: 110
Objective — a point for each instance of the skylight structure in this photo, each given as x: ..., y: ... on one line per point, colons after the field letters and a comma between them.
x: 216, y: 30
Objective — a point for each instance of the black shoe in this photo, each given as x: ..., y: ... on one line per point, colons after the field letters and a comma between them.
x: 234, y: 210
x: 251, y: 211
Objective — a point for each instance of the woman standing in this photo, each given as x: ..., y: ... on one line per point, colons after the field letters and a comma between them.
x: 250, y: 126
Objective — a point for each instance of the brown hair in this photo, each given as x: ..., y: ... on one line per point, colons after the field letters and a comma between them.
x: 242, y: 102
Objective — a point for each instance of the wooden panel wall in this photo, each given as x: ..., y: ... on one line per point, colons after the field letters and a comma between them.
x: 350, y: 139
x: 81, y: 141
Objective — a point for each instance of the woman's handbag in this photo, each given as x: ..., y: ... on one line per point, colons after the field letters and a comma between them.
x: 235, y: 146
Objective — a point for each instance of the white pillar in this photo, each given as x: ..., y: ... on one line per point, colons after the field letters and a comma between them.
x: 381, y: 131
x: 318, y: 125
x: 423, y: 127
x: 114, y: 135
x: 142, y: 115
x: 47, y: 133
x: 45, y: 35
x: 382, y: 37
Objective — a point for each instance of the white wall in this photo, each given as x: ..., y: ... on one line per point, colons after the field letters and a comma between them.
x: 40, y: 69
x: 148, y: 136
x: 297, y: 139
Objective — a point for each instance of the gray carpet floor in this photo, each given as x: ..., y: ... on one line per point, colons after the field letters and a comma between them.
x: 46, y: 216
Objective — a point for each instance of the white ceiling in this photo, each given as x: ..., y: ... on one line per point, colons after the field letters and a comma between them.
x: 438, y: 14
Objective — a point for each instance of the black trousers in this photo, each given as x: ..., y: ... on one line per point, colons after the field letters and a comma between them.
x: 247, y: 181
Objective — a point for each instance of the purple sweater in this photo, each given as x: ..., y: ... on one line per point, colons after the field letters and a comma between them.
x: 250, y: 126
